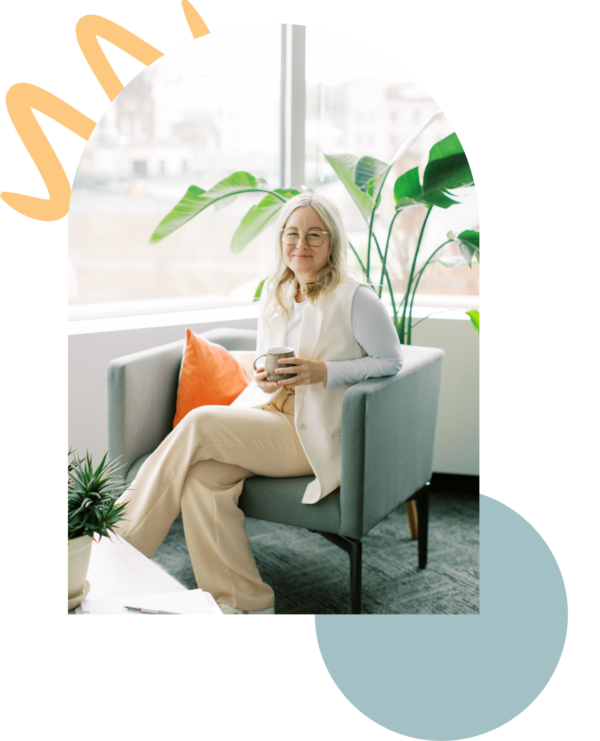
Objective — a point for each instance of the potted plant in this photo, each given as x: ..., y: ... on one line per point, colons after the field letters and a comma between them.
x: 363, y: 177
x: 93, y: 509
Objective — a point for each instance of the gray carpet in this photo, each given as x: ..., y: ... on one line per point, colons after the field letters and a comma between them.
x: 312, y: 576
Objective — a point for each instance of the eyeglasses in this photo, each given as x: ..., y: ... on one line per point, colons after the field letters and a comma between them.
x: 314, y: 237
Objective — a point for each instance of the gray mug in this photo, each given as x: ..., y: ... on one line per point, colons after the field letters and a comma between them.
x: 272, y: 356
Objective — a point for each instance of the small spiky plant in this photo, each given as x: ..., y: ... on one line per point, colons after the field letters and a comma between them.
x: 93, y: 496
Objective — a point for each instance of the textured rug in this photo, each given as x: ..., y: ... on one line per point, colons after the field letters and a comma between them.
x: 310, y: 575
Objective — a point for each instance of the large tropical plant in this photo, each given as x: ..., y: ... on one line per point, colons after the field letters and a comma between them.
x: 364, y: 178
x: 447, y: 169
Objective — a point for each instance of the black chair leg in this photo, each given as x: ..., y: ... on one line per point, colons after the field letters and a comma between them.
x: 356, y: 576
x: 354, y: 549
x: 423, y: 517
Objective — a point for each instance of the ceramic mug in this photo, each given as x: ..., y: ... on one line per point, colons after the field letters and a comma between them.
x: 272, y: 356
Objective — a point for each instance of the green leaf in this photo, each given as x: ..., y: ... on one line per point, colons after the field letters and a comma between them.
x: 367, y: 169
x: 197, y: 200
x: 259, y: 217
x: 344, y: 165
x: 98, y: 471
x: 407, y: 189
x: 468, y: 243
x: 374, y: 185
x: 446, y: 148
x: 447, y: 167
x: 259, y: 290
x: 474, y: 317
x: 261, y: 184
x: 409, y: 192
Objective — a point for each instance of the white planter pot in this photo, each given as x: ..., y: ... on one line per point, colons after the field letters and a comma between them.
x: 80, y: 550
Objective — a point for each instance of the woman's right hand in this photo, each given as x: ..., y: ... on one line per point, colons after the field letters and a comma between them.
x: 269, y: 387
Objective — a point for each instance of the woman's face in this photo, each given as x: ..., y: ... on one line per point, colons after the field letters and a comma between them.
x: 305, y: 260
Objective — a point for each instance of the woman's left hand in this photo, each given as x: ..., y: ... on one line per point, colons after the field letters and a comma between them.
x: 308, y: 371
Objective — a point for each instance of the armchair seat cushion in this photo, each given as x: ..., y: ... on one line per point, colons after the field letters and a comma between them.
x: 280, y: 500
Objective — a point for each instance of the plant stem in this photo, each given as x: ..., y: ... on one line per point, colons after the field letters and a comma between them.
x: 369, y: 242
x: 410, y: 326
x: 389, y: 282
x: 402, y: 333
x: 358, y: 258
x: 385, y: 254
x: 441, y: 311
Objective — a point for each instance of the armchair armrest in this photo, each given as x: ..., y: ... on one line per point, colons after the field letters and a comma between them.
x: 388, y: 435
x: 142, y: 395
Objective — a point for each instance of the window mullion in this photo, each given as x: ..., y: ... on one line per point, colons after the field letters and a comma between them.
x: 293, y: 106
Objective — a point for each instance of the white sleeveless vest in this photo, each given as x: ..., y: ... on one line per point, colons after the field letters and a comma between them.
x: 326, y: 334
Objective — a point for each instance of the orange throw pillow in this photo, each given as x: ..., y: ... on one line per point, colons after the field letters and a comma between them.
x: 209, y: 375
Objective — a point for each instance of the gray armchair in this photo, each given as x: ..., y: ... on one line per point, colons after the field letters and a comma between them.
x: 388, y: 432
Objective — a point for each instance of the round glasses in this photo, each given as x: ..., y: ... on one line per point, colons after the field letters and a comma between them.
x: 314, y: 237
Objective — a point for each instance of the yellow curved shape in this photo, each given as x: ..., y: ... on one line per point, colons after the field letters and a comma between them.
x: 194, y: 20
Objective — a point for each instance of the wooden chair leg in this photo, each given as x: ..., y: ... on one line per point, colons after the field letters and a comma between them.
x: 413, y: 521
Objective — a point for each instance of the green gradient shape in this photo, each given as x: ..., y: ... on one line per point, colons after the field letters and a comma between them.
x: 540, y: 484
x: 536, y: 246
x: 535, y: 322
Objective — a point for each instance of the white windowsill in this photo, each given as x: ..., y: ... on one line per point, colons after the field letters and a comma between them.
x: 222, y: 314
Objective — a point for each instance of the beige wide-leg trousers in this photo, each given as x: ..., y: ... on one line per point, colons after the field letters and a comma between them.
x: 199, y: 469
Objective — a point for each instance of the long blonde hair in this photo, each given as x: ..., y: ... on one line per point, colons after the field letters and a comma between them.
x: 336, y: 270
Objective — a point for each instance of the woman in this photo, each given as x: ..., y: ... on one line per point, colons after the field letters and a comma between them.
x: 341, y: 334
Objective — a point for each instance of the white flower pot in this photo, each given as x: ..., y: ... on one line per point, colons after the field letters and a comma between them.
x: 80, y: 550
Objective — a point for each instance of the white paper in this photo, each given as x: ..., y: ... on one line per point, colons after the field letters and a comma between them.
x: 190, y: 602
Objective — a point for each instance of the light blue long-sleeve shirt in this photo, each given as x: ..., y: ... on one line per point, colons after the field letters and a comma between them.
x: 373, y: 330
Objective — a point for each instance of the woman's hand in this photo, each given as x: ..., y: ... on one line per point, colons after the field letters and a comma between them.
x: 269, y: 387
x: 308, y: 372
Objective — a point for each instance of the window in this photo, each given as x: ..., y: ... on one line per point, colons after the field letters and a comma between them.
x: 197, y: 116
x: 192, y: 118
x: 352, y: 84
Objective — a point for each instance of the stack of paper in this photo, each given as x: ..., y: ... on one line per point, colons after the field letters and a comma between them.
x: 188, y: 602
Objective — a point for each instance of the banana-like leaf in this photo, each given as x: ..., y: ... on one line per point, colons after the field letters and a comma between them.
x: 375, y: 184
x: 468, y: 243
x: 197, y: 200
x: 446, y: 148
x: 259, y: 289
x: 259, y: 217
x: 367, y: 169
x: 447, y: 167
x: 408, y: 191
x: 474, y: 317
x: 344, y: 165
x: 261, y: 184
